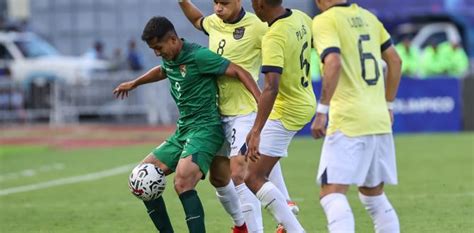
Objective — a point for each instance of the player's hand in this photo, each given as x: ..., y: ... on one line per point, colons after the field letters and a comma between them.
x: 392, y: 118
x: 318, y: 127
x: 253, y: 142
x: 121, y: 91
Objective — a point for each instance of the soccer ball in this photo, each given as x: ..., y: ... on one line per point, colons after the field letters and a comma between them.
x: 147, y: 182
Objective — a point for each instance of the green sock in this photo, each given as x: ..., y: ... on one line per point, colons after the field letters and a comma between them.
x: 194, y: 211
x: 157, y: 211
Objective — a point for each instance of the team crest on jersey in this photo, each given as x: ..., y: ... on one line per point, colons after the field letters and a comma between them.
x: 182, y: 70
x: 239, y: 33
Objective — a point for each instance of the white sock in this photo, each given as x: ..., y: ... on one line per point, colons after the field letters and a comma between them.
x: 383, y: 214
x: 276, y: 177
x: 229, y: 199
x: 251, y: 209
x: 338, y: 213
x: 272, y: 200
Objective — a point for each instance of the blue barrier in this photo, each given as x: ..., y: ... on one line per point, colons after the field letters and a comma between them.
x: 429, y: 105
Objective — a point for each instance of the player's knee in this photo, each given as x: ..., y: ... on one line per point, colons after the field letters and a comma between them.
x: 372, y: 191
x: 238, y: 177
x: 218, y: 181
x: 253, y: 181
x: 238, y: 169
x: 183, y: 184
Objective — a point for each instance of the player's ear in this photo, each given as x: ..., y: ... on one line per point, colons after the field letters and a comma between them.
x: 173, y: 38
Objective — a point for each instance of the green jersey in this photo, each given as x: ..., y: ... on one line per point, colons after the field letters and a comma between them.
x: 193, y: 84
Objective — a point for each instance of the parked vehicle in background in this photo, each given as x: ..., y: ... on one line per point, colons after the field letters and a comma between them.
x: 33, y: 63
x: 25, y: 55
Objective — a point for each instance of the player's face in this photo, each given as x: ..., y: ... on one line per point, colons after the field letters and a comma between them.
x: 322, y: 4
x: 165, y: 48
x: 257, y: 8
x: 227, y: 9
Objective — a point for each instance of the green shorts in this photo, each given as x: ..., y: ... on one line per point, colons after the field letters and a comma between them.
x: 202, y: 143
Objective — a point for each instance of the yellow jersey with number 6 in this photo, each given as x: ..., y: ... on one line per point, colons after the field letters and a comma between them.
x: 240, y: 42
x: 358, y: 106
x: 286, y: 49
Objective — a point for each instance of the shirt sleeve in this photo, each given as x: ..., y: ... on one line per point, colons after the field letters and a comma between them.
x: 273, y: 45
x: 261, y: 29
x: 209, y: 62
x: 384, y: 37
x: 325, y: 37
x: 205, y: 24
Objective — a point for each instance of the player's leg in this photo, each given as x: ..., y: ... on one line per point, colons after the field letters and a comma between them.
x: 165, y: 157
x: 225, y: 190
x: 269, y: 195
x: 274, y: 142
x: 344, y: 161
x: 276, y: 177
x: 372, y: 195
x: 381, y: 211
x: 187, y: 176
x: 201, y: 144
x: 336, y: 207
x: 250, y: 205
x: 237, y: 129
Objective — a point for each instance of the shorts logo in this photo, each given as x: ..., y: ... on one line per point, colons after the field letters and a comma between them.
x: 182, y: 70
x: 239, y: 33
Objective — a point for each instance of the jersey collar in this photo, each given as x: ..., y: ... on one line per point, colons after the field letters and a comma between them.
x: 286, y: 14
x: 240, y: 17
x: 341, y: 5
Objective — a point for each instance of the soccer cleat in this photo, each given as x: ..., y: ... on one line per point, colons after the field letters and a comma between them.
x: 241, y: 229
x: 293, y: 207
x: 280, y: 229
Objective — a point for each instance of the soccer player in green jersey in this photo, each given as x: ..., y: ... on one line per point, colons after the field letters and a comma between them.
x: 358, y: 148
x: 236, y: 35
x: 287, y: 102
x: 192, y: 71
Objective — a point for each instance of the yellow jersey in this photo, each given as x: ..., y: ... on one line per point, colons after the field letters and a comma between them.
x: 240, y: 42
x: 358, y: 106
x: 286, y: 49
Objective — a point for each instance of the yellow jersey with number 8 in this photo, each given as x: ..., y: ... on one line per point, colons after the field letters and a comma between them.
x: 240, y: 42
x: 358, y: 106
x: 286, y: 49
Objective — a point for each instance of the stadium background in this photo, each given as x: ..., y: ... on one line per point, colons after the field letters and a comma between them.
x: 65, y: 161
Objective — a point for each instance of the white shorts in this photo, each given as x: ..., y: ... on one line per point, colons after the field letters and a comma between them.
x: 364, y: 161
x: 275, y: 139
x: 236, y: 129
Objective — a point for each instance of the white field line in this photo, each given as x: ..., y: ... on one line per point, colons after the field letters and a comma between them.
x: 31, y: 172
x: 69, y: 180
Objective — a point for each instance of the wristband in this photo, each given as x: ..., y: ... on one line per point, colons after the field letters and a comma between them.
x: 322, y: 108
x: 390, y: 105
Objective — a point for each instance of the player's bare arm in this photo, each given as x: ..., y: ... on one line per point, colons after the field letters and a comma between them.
x: 394, y: 66
x: 246, y: 78
x: 332, y: 70
x: 191, y: 12
x: 265, y: 106
x: 153, y: 75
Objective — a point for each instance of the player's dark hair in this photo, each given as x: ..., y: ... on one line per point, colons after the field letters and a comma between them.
x: 157, y: 27
x: 274, y: 3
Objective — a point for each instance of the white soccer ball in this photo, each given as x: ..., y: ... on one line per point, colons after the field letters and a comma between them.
x: 147, y: 182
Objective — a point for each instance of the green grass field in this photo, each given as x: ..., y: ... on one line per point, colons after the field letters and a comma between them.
x: 435, y: 194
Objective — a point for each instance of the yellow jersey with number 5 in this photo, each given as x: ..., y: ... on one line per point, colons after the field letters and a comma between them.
x: 358, y: 106
x: 286, y: 49
x: 240, y: 42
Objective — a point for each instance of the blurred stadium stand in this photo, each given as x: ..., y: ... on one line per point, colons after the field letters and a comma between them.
x: 73, y: 26
x: 58, y: 102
